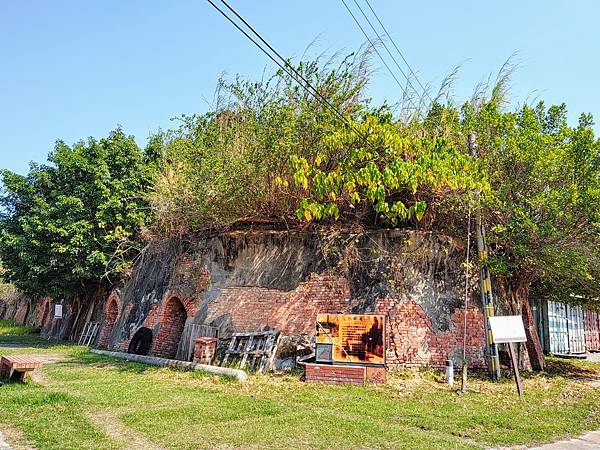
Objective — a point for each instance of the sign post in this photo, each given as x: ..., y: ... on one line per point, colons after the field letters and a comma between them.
x: 508, y: 330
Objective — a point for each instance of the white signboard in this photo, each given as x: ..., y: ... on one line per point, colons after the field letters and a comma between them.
x: 58, y: 311
x: 507, y: 329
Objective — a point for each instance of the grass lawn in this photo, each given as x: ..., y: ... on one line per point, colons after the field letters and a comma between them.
x: 89, y: 401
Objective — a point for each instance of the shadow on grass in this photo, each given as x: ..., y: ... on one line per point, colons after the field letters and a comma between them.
x: 30, y: 341
x: 102, y: 361
x: 573, y: 369
x: 124, y: 366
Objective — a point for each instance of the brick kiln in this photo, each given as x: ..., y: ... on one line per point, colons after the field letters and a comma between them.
x: 246, y: 281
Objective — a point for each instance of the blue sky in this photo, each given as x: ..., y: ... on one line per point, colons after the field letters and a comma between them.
x: 72, y: 69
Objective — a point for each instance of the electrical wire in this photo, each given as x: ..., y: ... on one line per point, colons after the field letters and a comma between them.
x: 387, y: 49
x: 374, y: 47
x: 398, y: 50
x: 288, y: 68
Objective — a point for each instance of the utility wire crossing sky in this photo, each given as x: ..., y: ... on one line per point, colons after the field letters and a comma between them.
x: 73, y: 70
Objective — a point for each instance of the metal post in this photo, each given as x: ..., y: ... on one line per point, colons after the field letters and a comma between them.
x: 485, y: 282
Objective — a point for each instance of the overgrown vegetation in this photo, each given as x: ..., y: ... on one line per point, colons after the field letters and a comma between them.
x: 90, y: 401
x: 268, y: 151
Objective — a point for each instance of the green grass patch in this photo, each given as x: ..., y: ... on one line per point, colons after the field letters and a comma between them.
x: 10, y: 328
x: 188, y: 410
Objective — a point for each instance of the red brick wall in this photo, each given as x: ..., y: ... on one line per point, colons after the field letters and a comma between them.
x: 43, y: 313
x: 252, y: 308
x: 111, y: 313
x: 22, y: 312
x: 411, y: 339
x: 330, y: 374
x: 172, y: 322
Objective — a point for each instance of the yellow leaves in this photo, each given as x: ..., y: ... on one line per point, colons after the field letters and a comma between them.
x: 280, y: 182
x: 307, y: 215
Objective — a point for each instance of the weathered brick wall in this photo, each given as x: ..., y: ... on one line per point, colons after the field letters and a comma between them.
x: 111, y: 313
x: 412, y: 341
x: 248, y: 281
x: 172, y: 322
x: 253, y: 308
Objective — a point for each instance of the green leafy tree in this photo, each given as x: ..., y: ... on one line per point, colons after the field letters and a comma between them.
x: 75, y: 222
x: 543, y: 215
x: 542, y: 208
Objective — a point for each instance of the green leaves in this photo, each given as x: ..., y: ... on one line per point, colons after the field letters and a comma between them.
x: 77, y: 220
x: 394, y: 179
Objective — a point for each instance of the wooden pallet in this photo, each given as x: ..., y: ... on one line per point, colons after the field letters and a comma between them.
x: 255, y: 351
x: 90, y: 330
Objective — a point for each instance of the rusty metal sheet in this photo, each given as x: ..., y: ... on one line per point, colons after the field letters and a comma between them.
x: 592, y: 330
x: 356, y: 338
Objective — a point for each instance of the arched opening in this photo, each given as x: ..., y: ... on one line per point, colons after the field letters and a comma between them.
x: 171, y: 328
x: 110, y: 318
x: 141, y: 342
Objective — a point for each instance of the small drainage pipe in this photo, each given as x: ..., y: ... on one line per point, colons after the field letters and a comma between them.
x: 174, y: 363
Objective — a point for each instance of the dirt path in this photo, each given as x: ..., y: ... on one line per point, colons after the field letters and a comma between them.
x: 14, y: 436
x: 127, y: 437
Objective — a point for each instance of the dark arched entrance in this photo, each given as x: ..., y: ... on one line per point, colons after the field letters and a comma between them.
x: 171, y: 328
x: 141, y: 342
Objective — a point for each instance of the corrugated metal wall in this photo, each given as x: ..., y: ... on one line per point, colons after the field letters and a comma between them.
x: 576, y: 329
x: 592, y: 330
x: 558, y: 329
x: 566, y: 330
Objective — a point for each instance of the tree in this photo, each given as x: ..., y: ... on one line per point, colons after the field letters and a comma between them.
x: 75, y: 222
x: 543, y: 211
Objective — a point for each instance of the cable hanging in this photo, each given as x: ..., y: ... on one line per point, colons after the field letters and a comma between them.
x: 379, y: 38
x: 381, y: 57
x: 398, y: 50
x: 287, y: 67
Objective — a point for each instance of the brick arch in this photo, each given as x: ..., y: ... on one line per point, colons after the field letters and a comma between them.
x: 111, y: 313
x: 172, y: 322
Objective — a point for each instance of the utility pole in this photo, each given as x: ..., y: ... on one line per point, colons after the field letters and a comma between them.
x: 485, y: 281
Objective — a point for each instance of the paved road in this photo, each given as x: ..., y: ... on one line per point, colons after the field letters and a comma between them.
x: 595, y: 357
x: 589, y: 440
x: 3, y: 444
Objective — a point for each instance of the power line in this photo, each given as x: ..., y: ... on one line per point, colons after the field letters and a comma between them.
x: 379, y: 54
x: 386, y: 47
x: 289, y: 69
x: 398, y: 50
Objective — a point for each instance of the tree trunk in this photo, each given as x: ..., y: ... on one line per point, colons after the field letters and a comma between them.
x: 519, y: 299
